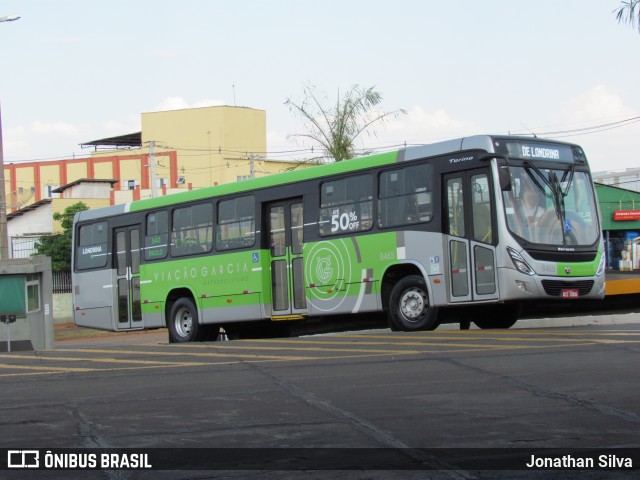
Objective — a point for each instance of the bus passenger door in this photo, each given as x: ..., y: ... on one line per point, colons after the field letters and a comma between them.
x: 127, y: 246
x: 285, y: 229
x: 471, y: 236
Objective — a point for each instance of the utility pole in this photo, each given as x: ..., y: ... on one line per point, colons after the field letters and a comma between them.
x: 152, y: 168
x: 4, y: 236
x: 252, y: 157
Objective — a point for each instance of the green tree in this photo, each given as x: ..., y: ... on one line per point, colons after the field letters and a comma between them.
x: 58, y: 246
x: 629, y: 12
x: 335, y: 127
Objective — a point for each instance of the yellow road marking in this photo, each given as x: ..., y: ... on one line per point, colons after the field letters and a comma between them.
x: 42, y: 370
x: 355, y: 350
x: 62, y: 369
x: 107, y: 360
x: 53, y: 370
x: 444, y: 341
x: 347, y: 344
x: 306, y: 347
x: 24, y: 374
x: 341, y: 347
x: 172, y: 354
x: 539, y: 337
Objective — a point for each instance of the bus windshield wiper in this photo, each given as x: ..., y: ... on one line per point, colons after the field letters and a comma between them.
x: 528, y: 167
x: 571, y: 172
x: 558, y: 195
x: 555, y: 185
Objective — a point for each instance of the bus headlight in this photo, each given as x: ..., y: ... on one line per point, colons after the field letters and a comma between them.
x: 601, y: 266
x: 520, y: 263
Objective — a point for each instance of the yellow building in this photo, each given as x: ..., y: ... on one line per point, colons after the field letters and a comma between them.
x: 190, y: 148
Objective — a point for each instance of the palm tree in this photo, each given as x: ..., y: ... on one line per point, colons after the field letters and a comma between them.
x: 336, y: 128
x: 629, y: 12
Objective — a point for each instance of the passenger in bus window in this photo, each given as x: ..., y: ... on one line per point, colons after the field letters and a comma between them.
x: 533, y: 201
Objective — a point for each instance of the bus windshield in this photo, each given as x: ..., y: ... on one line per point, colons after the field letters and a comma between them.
x: 551, y: 206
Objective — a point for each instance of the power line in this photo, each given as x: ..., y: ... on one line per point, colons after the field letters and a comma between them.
x: 272, y: 155
x: 588, y: 130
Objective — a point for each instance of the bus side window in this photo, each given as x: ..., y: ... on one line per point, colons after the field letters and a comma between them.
x: 203, y: 227
x: 92, y: 246
x: 156, y: 236
x: 297, y: 228
x: 277, y: 232
x: 481, y: 209
x: 192, y: 230
x: 236, y: 223
x: 346, y: 205
x: 405, y: 196
x: 455, y: 201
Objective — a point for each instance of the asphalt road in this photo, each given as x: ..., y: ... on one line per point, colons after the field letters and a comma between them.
x: 424, y: 398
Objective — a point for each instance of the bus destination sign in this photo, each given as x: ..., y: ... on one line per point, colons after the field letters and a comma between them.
x: 539, y: 151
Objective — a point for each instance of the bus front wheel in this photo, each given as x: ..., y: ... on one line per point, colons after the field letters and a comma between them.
x: 183, y: 322
x: 409, y: 307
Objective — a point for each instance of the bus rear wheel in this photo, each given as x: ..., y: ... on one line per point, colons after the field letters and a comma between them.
x: 183, y: 322
x: 409, y: 308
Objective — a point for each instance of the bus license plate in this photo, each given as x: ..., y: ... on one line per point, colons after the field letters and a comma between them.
x: 570, y: 293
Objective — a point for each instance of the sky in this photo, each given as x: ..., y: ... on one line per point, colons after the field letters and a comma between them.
x: 73, y: 71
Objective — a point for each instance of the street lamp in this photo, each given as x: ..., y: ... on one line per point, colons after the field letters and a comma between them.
x: 4, y: 236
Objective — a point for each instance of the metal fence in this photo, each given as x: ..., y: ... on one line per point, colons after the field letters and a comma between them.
x: 62, y: 282
x: 23, y: 247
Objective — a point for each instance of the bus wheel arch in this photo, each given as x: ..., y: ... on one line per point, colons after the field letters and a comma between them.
x: 182, y: 318
x: 407, y: 300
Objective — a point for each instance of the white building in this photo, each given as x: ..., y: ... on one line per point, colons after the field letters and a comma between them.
x: 628, y: 179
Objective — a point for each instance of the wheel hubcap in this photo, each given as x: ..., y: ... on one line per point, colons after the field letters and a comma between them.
x: 413, y: 304
x: 183, y: 322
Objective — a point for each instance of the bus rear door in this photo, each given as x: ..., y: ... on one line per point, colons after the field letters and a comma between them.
x: 285, y: 229
x: 470, y: 236
x: 127, y: 247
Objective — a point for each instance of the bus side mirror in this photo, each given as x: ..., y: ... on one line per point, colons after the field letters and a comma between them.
x: 504, y: 177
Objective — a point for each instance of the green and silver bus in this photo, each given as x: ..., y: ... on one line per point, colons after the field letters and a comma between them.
x: 467, y: 229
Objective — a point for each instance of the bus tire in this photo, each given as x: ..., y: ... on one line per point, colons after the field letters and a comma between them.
x: 500, y: 316
x: 183, y: 322
x: 409, y: 308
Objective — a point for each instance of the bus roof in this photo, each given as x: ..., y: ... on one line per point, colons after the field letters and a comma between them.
x: 409, y: 153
